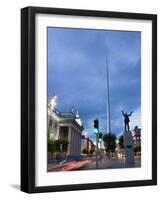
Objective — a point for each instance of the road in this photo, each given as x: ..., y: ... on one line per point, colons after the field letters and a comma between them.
x: 90, y: 163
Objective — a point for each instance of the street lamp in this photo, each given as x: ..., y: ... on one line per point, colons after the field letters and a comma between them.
x: 52, y: 102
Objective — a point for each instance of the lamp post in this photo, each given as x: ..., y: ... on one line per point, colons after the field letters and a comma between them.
x: 52, y: 105
x: 52, y: 102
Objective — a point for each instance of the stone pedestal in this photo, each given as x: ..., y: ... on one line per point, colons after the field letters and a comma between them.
x: 129, y: 149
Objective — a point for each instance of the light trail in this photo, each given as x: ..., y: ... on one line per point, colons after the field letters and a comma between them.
x: 61, y: 165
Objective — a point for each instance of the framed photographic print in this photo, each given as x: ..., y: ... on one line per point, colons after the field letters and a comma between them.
x: 88, y: 99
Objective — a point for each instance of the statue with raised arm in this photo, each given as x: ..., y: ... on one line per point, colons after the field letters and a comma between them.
x: 126, y: 119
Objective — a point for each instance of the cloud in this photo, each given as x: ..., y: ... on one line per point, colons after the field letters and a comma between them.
x: 77, y: 74
x: 136, y: 118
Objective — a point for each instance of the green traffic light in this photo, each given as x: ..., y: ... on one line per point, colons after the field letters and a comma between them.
x: 95, y: 130
x: 100, y: 140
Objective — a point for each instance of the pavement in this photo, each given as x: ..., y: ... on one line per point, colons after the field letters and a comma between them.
x: 106, y: 163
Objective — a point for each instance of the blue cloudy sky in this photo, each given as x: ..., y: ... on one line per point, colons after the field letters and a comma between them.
x: 77, y: 75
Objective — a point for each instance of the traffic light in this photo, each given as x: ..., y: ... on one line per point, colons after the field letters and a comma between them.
x: 96, y: 126
x: 100, y: 137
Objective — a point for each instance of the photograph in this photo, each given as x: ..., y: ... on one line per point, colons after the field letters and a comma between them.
x: 89, y: 99
x: 93, y: 99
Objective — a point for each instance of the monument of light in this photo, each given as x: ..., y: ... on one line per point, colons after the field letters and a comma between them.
x: 128, y: 142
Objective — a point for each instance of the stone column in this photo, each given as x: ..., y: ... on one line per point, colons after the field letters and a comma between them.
x: 57, y: 133
x: 79, y: 144
x: 76, y: 143
x: 69, y: 140
x: 72, y: 141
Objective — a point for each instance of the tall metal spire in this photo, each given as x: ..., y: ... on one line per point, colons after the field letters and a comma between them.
x: 108, y: 91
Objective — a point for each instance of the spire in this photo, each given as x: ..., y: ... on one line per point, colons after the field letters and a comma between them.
x: 108, y: 88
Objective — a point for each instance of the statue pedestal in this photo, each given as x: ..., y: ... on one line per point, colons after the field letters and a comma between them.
x: 129, y: 149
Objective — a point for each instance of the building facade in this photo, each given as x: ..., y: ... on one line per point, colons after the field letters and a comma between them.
x: 136, y: 134
x: 86, y: 143
x: 66, y: 126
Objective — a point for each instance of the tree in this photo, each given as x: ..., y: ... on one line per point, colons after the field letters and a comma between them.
x: 121, y: 142
x: 85, y: 151
x: 109, y: 142
x: 60, y: 145
x: 91, y: 151
x: 51, y: 147
x: 57, y: 146
x: 121, y: 146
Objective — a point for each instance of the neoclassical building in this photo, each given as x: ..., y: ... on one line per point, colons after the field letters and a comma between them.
x: 66, y: 125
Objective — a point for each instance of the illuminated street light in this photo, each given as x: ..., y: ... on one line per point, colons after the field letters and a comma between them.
x: 53, y: 102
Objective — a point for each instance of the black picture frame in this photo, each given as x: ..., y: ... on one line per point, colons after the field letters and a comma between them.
x: 28, y: 98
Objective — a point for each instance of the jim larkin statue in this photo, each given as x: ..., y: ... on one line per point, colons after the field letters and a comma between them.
x: 126, y: 119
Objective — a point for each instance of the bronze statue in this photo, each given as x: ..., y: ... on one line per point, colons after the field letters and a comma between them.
x: 126, y: 119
